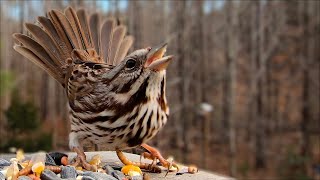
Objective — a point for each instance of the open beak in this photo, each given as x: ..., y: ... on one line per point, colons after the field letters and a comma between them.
x: 155, y: 59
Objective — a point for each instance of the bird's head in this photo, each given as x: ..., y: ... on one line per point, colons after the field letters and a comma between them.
x: 143, y: 67
x: 149, y: 60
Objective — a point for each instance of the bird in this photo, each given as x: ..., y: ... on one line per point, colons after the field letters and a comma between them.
x: 115, y: 98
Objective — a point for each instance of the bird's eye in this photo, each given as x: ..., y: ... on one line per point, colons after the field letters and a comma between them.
x: 131, y: 63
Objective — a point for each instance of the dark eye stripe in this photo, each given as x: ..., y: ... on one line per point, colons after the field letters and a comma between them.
x: 126, y: 88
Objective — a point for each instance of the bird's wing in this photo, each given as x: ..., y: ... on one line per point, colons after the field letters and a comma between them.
x: 63, y: 37
x: 83, y: 78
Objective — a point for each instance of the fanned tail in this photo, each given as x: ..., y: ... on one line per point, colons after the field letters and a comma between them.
x: 71, y: 35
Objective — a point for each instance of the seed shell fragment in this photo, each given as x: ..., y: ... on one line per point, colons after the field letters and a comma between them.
x: 97, y: 176
x: 49, y: 175
x: 24, y: 178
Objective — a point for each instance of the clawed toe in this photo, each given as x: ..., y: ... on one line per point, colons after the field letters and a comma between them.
x: 154, y: 155
x: 80, y: 160
x: 154, y: 168
x: 84, y: 164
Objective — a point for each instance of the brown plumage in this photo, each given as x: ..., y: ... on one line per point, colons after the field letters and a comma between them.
x: 114, y: 98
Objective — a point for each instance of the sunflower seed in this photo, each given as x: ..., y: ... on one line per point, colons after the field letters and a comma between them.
x: 49, y: 175
x: 57, y: 156
x: 68, y: 172
x: 2, y: 176
x: 108, y: 169
x: 118, y: 174
x: 50, y: 161
x: 4, y: 162
x: 24, y: 178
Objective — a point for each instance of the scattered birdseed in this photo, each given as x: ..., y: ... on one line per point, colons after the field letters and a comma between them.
x: 44, y: 166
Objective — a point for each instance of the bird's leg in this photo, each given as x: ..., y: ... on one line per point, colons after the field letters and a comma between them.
x: 154, y: 153
x: 150, y: 167
x: 81, y: 160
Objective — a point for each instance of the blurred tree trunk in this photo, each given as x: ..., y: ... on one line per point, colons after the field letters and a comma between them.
x: 135, y: 13
x: 22, y: 65
x: 197, y: 50
x: 260, y: 127
x: 202, y: 120
x: 230, y: 87
x: 178, y: 28
x: 309, y: 58
x: 80, y: 4
x: 253, y: 68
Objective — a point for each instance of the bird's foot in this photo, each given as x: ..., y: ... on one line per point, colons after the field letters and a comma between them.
x: 80, y: 160
x: 149, y: 167
x: 154, y: 155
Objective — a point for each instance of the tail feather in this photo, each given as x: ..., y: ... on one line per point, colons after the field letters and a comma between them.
x: 123, y: 49
x: 58, y: 26
x: 38, y: 50
x: 45, y: 41
x: 77, y: 28
x: 60, y: 20
x: 47, y: 25
x: 70, y: 35
x: 35, y: 59
x: 85, y: 27
x: 118, y: 35
x: 106, y: 37
x: 95, y: 30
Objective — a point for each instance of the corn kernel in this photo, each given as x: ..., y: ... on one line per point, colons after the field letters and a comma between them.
x: 133, y: 173
x: 38, y: 168
x: 128, y: 168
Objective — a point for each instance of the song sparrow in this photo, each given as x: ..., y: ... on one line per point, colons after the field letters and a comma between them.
x: 114, y: 98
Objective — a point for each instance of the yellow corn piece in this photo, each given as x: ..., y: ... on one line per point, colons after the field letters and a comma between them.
x: 95, y: 160
x: 20, y: 155
x: 38, y: 168
x: 37, y: 162
x: 131, y: 168
x: 79, y: 168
